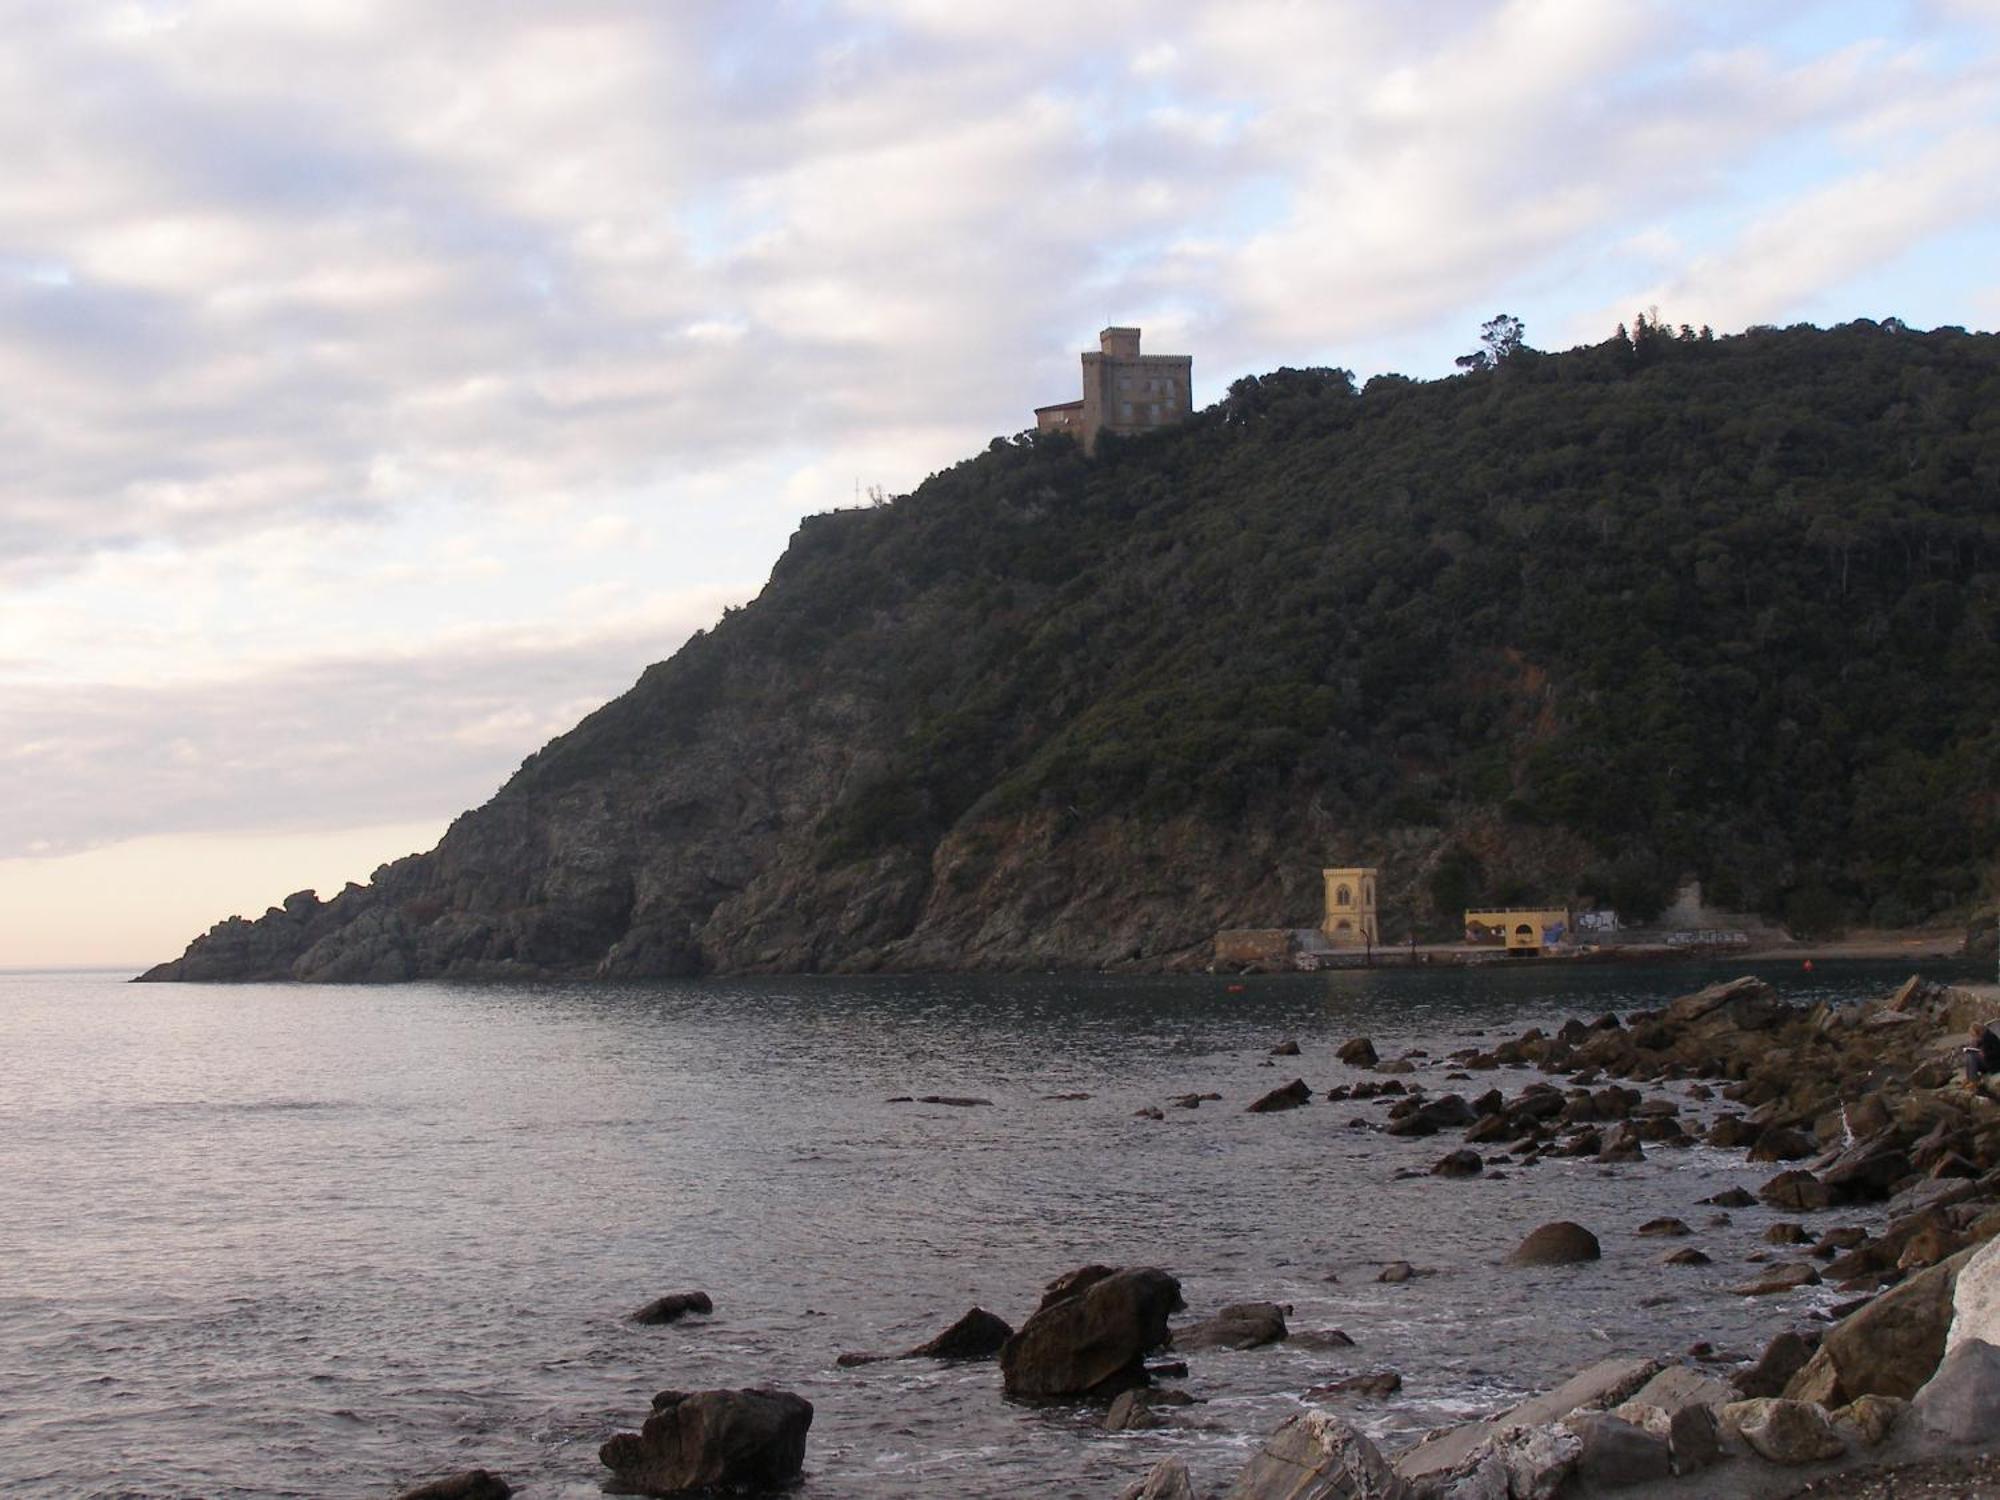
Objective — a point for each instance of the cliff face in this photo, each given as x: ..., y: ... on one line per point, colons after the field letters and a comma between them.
x: 1581, y: 625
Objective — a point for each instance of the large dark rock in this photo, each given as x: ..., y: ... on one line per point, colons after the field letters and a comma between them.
x: 1091, y: 1343
x: 472, y: 1484
x: 1241, y: 1325
x: 1359, y: 1052
x: 1291, y: 1096
x: 746, y: 1440
x: 978, y: 1335
x: 1559, y: 1244
x: 1446, y: 1112
x: 1890, y: 1347
x: 673, y: 1307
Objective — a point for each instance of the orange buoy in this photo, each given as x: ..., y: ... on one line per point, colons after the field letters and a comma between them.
x: 1236, y: 989
x: 1808, y: 966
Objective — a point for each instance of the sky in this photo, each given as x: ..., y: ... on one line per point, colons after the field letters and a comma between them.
x: 384, y: 383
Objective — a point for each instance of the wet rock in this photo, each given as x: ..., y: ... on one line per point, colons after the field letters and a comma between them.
x: 1798, y: 1191
x: 1782, y: 1358
x: 1781, y: 1278
x: 1559, y: 1244
x: 1193, y: 1101
x: 1787, y: 1234
x: 1091, y: 1342
x: 1961, y: 1402
x: 1866, y: 1173
x: 471, y: 1484
x: 1241, y: 1325
x: 978, y: 1335
x: 1397, y: 1271
x: 1287, y: 1048
x: 745, y: 1439
x: 1149, y: 1112
x: 1785, y: 1432
x: 1359, y: 1052
x: 1461, y: 1163
x: 673, y: 1307
x: 1167, y: 1369
x: 1740, y: 1005
x: 1399, y: 1065
x: 1141, y: 1408
x: 955, y: 1101
x: 1730, y: 1198
x: 1869, y: 1420
x: 1616, y: 1453
x: 1320, y: 1339
x: 1732, y: 1133
x: 1166, y: 1480
x: 1686, y: 1256
x: 1783, y: 1145
x: 1446, y: 1112
x: 1664, y: 1228
x: 1291, y: 1096
x: 1376, y: 1385
x: 1317, y: 1456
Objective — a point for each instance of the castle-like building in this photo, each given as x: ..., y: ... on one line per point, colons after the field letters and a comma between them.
x: 1124, y: 391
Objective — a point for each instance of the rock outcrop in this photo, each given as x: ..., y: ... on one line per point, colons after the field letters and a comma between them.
x: 1317, y: 1456
x: 719, y: 1440
x: 1090, y: 1337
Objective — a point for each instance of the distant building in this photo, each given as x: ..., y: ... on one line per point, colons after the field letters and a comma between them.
x: 1124, y: 391
x: 1350, y: 907
x: 1520, y: 929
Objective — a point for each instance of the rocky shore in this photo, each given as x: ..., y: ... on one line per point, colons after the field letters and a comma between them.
x: 1884, y: 1171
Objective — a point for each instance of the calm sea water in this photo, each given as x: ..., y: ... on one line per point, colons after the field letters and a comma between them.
x: 275, y: 1240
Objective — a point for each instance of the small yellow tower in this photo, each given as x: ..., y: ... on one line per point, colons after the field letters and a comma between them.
x: 1350, y: 907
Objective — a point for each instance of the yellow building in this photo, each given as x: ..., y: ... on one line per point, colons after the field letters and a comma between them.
x: 1350, y: 907
x: 1520, y: 929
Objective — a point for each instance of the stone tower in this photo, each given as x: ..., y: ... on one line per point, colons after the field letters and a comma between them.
x: 1350, y: 907
x: 1124, y: 391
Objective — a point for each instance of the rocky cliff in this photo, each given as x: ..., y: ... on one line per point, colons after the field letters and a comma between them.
x: 1580, y: 625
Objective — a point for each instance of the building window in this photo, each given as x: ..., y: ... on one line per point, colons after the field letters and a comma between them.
x: 1343, y: 897
x: 1124, y: 411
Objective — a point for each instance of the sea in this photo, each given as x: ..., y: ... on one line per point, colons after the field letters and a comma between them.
x: 279, y: 1240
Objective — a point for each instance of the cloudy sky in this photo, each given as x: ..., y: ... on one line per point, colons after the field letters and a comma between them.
x: 383, y: 383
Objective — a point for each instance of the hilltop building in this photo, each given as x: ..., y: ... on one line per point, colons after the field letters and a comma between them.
x: 1124, y: 391
x: 1350, y: 908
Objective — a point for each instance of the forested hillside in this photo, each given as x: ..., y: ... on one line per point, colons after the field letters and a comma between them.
x: 1570, y: 625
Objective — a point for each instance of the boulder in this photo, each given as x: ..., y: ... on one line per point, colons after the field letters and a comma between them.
x: 1745, y: 1004
x: 1461, y: 1163
x: 1961, y: 1402
x: 1474, y: 1447
x: 1291, y: 1096
x: 1664, y: 1228
x: 1797, y: 1191
x: 1975, y: 1298
x: 1687, y: 1255
x: 1785, y: 1432
x: 1782, y: 1278
x: 471, y: 1484
x: 1166, y: 1480
x: 1287, y: 1048
x: 1889, y: 1347
x: 1241, y: 1325
x: 743, y: 1439
x: 673, y: 1307
x: 977, y: 1335
x: 1377, y: 1385
x: 1616, y: 1453
x: 1559, y: 1244
x: 1358, y: 1053
x: 1446, y: 1112
x: 1317, y: 1456
x: 1091, y: 1343
x: 1870, y: 1419
x: 1138, y: 1409
x: 1782, y: 1358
